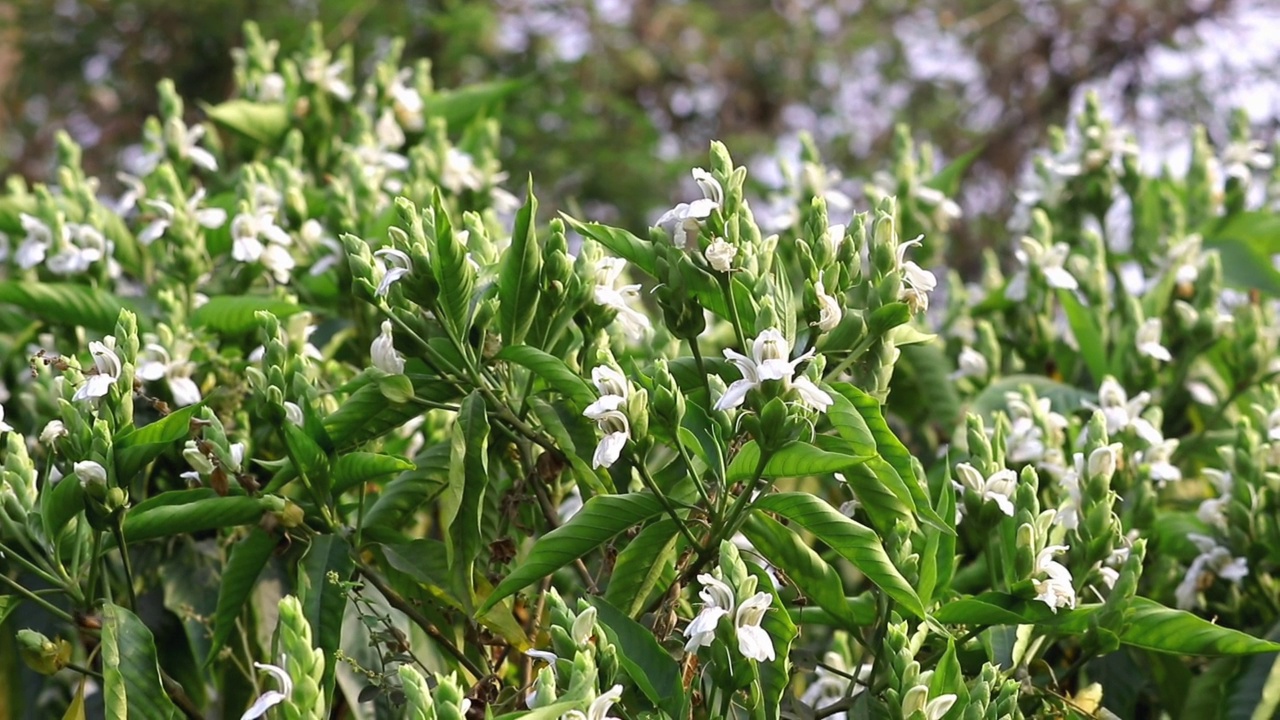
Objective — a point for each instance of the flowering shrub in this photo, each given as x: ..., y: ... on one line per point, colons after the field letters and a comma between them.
x: 318, y: 418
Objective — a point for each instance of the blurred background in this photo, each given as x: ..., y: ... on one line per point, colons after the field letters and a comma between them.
x: 621, y: 97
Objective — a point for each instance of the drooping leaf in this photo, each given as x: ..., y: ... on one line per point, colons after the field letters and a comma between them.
x: 812, y: 576
x: 131, y: 686
x: 264, y: 123
x: 650, y: 666
x: 645, y: 565
x: 248, y: 557
x: 519, y: 276
x: 462, y: 502
x: 1152, y: 626
x: 137, y: 447
x: 855, y: 542
x: 63, y: 303
x: 163, y: 516
x: 323, y: 602
x: 404, y: 495
x: 459, y: 106
x: 308, y: 456
x: 235, y: 314
x: 354, y: 468
x: 552, y: 370
x: 600, y: 519
x: 797, y: 459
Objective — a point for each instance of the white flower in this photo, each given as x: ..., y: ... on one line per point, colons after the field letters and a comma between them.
x: 1054, y: 590
x: 270, y: 698
x: 611, y: 294
x: 610, y: 381
x: 770, y: 351
x: 89, y: 471
x: 999, y: 488
x: 188, y: 147
x: 396, y: 265
x: 4, y: 426
x: 207, y: 217
x: 1240, y: 158
x: 1213, y: 510
x: 156, y: 364
x: 613, y: 423
x: 51, y: 432
x: 293, y: 413
x: 914, y: 700
x: 82, y: 247
x: 831, y: 686
x: 36, y: 244
x: 753, y: 641
x: 268, y: 89
x: 684, y: 219
x: 105, y: 372
x: 945, y: 210
x: 971, y: 364
x: 1068, y: 515
x: 327, y: 76
x: 599, y: 708
x: 1051, y: 263
x: 406, y: 101
x: 717, y: 602
x: 383, y: 352
x: 1213, y: 560
x: 1148, y: 340
x: 829, y: 310
x: 720, y: 255
x: 459, y: 172
x: 247, y: 234
x: 543, y: 655
x: 917, y: 282
x: 1123, y: 413
x: 1158, y: 458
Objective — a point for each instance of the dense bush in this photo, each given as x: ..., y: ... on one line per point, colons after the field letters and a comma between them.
x: 318, y: 418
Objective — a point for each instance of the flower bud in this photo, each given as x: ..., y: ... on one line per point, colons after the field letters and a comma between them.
x: 41, y: 654
x: 90, y: 472
x: 1102, y: 463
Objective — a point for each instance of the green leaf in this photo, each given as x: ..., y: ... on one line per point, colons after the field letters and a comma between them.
x: 454, y: 277
x: 883, y: 505
x: 651, y: 667
x: 234, y: 314
x: 1153, y: 626
x: 404, y: 495
x: 461, y: 504
x: 640, y: 253
x: 183, y: 512
x: 851, y: 426
x: 424, y: 561
x: 887, y: 317
x: 948, y: 178
x: 1064, y: 399
x: 775, y: 675
x: 553, y: 370
x: 519, y: 276
x: 59, y: 504
x: 1088, y: 334
x: 323, y: 602
x: 367, y: 414
x: 796, y: 459
x: 937, y: 562
x: 64, y: 303
x: 355, y: 468
x: 309, y: 457
x: 921, y: 391
x: 248, y: 558
x: 895, y: 453
x: 458, y: 107
x: 812, y: 576
x: 8, y: 603
x: 994, y: 608
x: 131, y: 686
x: 1245, y: 242
x: 264, y: 123
x: 855, y: 542
x: 645, y: 566
x: 600, y: 519
x: 135, y: 448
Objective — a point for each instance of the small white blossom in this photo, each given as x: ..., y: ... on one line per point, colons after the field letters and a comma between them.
x: 1241, y: 158
x: 770, y: 351
x: 599, y: 708
x: 383, y: 352
x: 4, y: 426
x: 999, y: 488
x: 36, y: 244
x: 609, y: 381
x: 684, y: 219
x: 396, y: 264
x: 155, y: 364
x: 1051, y: 262
x: 917, y: 700
x: 1148, y: 340
x: 717, y: 602
x: 753, y: 641
x: 1123, y: 413
x: 210, y: 218
x: 917, y: 282
x: 105, y: 372
x: 1213, y: 510
x: 1055, y: 589
x: 611, y: 293
x: 406, y: 101
x: 971, y: 364
x: 270, y: 698
x: 293, y: 413
x: 1213, y: 560
x: 1158, y: 459
x: 829, y: 311
x: 248, y: 232
x: 613, y: 423
x: 460, y: 173
x: 327, y: 76
x: 720, y: 255
x: 88, y: 471
x: 52, y: 431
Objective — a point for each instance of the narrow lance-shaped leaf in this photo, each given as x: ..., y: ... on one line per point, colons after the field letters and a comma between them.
x: 812, y: 576
x: 248, y: 557
x: 519, y: 276
x: 323, y: 601
x: 131, y: 686
x: 600, y: 519
x: 454, y: 275
x: 553, y: 370
x: 855, y: 542
x: 644, y: 566
x: 648, y: 664
x: 462, y: 502
x: 797, y: 459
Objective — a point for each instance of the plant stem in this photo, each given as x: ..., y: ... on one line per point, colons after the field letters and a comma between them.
x: 649, y: 483
x: 29, y: 595
x: 398, y: 602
